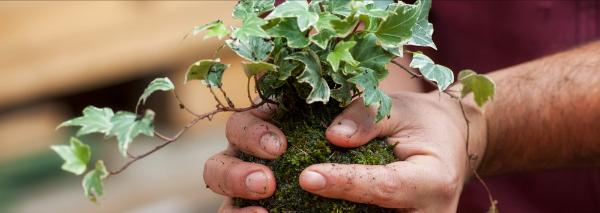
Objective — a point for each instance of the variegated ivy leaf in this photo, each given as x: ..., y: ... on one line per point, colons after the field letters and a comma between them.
x: 253, y: 49
x: 76, y: 156
x: 285, y: 67
x: 94, y: 120
x: 343, y: 92
x: 251, y: 27
x: 344, y: 27
x: 258, y: 68
x: 163, y: 84
x: 208, y: 71
x: 341, y: 53
x: 397, y: 28
x: 394, y: 50
x: 339, y: 7
x: 370, y: 55
x: 322, y: 38
x: 288, y: 29
x: 297, y: 9
x: 367, y: 8
x: 93, y: 187
x: 482, y: 87
x: 381, y: 4
x: 312, y: 75
x: 245, y: 8
x: 127, y: 126
x: 213, y: 29
x: 372, y: 95
x: 439, y: 74
x: 422, y: 30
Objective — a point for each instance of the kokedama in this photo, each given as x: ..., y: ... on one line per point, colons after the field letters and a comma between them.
x: 308, y: 60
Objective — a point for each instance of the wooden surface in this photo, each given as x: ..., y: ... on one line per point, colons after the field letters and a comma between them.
x: 57, y: 48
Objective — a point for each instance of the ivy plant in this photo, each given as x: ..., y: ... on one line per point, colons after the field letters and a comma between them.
x: 338, y: 49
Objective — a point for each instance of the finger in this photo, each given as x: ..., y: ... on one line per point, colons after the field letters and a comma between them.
x: 227, y: 207
x: 248, y: 132
x: 356, y: 126
x: 229, y: 176
x: 391, y: 186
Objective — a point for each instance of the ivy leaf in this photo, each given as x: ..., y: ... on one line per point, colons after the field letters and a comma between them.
x: 258, y: 68
x: 422, y: 30
x: 382, y: 4
x: 340, y: 7
x: 215, y: 28
x: 127, y: 126
x: 370, y: 55
x: 253, y: 49
x: 163, y: 84
x: 482, y: 87
x: 344, y: 27
x: 289, y: 30
x: 251, y: 27
x: 394, y: 50
x: 341, y: 53
x: 312, y: 75
x: 297, y: 9
x: 245, y: 8
x: 443, y: 76
x: 76, y: 156
x: 92, y: 182
x: 367, y: 8
x: 397, y: 28
x: 322, y: 38
x: 285, y: 67
x: 93, y: 120
x: 208, y: 71
x: 372, y: 95
x: 343, y: 93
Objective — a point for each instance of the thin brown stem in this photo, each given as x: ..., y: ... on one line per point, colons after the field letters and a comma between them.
x: 183, y: 106
x: 249, y: 93
x: 219, y: 103
x: 229, y: 102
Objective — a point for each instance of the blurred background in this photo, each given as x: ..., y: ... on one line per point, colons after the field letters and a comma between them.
x: 58, y: 57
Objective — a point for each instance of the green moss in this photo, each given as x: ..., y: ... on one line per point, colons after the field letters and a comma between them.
x: 305, y: 125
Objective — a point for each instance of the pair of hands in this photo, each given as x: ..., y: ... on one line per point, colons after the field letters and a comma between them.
x: 431, y: 134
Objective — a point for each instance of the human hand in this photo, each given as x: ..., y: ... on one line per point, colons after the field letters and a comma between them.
x: 430, y: 132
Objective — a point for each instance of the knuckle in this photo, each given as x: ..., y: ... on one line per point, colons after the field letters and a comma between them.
x: 386, y: 187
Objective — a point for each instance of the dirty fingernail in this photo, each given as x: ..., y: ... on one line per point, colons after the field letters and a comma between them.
x: 271, y: 143
x: 344, y: 127
x: 257, y: 182
x: 312, y: 180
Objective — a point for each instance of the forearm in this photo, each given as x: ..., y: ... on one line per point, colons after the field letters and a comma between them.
x: 546, y: 114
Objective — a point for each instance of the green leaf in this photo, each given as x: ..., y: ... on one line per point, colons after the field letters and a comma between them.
x: 439, y: 74
x: 94, y: 120
x: 342, y: 53
x: 127, y: 126
x: 76, y: 156
x: 344, y: 27
x: 382, y: 4
x: 482, y: 87
x: 258, y: 68
x: 253, y: 49
x: 322, y: 38
x: 312, y: 75
x: 289, y: 30
x: 245, y: 8
x: 208, y: 71
x: 163, y: 84
x: 343, y: 92
x: 251, y: 27
x: 92, y: 182
x: 394, y: 50
x: 397, y: 28
x: 285, y: 67
x: 372, y: 95
x: 213, y: 29
x: 297, y: 9
x: 325, y: 21
x: 422, y: 30
x: 370, y: 55
x: 367, y: 8
x: 340, y: 7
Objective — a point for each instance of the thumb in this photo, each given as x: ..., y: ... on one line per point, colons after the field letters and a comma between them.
x: 356, y: 126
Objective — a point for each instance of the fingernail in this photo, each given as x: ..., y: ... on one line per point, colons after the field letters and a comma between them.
x: 271, y: 143
x: 312, y: 180
x: 257, y: 182
x: 344, y: 127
